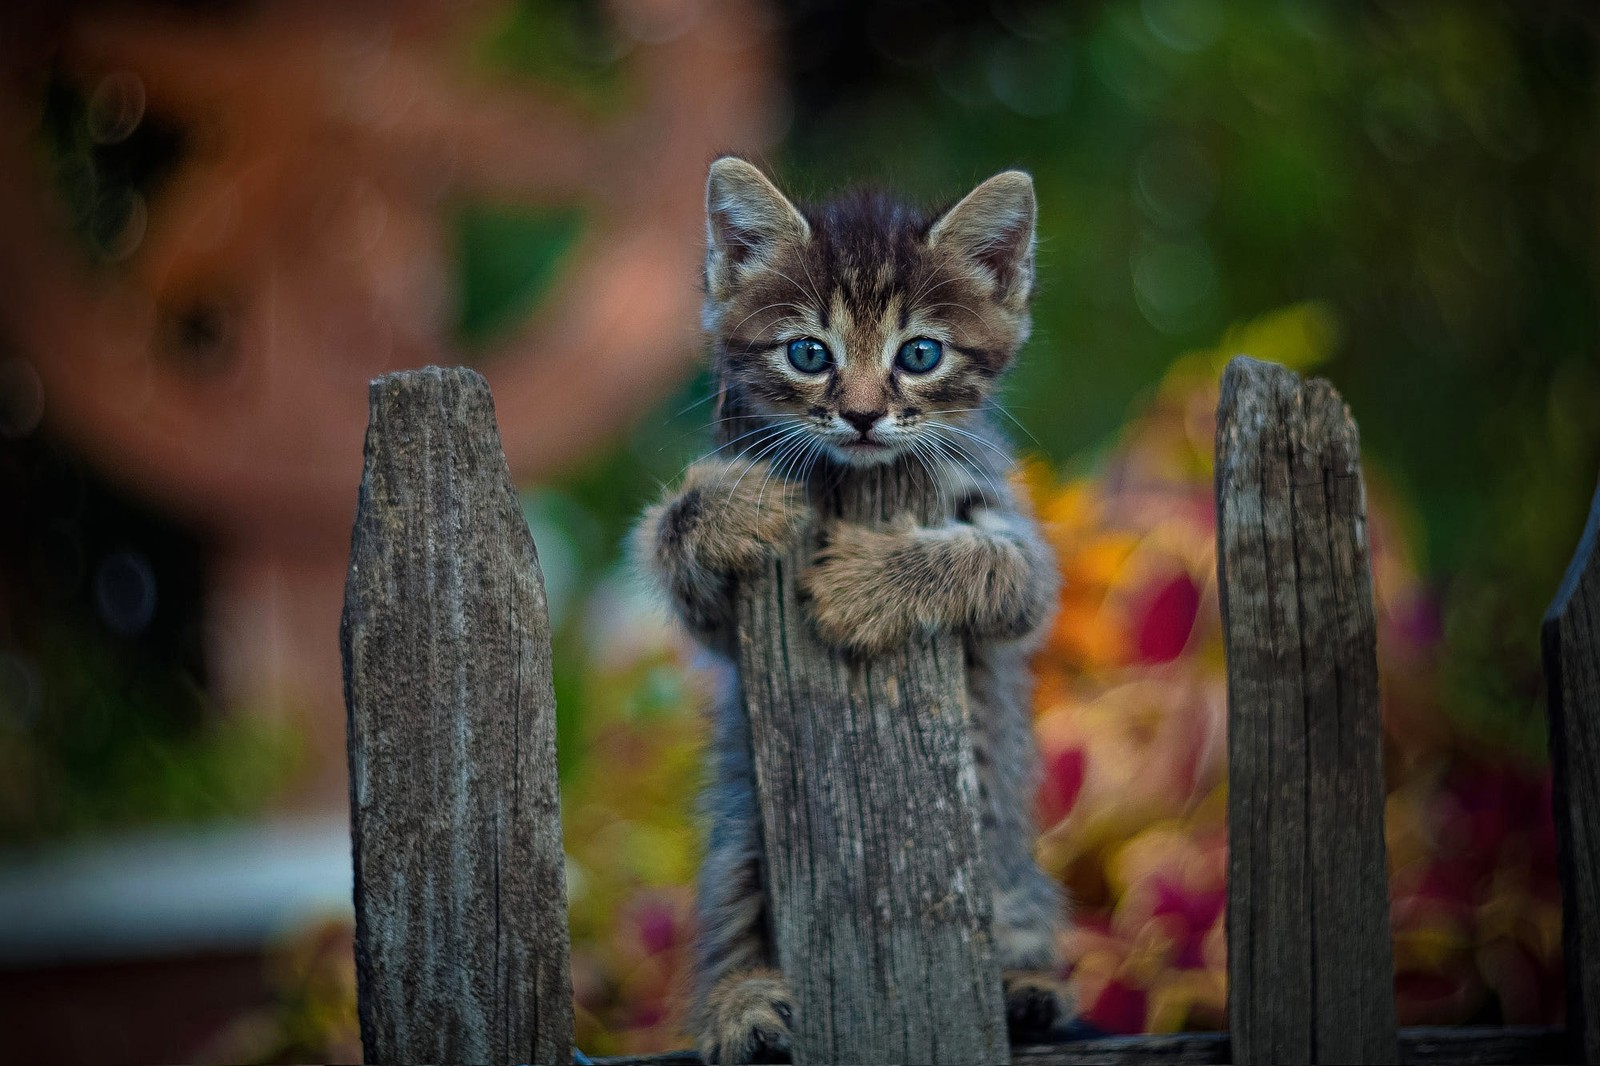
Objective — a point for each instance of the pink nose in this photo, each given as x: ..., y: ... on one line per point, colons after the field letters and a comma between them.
x: 862, y: 420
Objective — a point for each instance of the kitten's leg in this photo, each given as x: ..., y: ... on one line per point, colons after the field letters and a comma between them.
x: 1029, y: 906
x: 726, y: 518
x: 871, y: 588
x: 1029, y: 912
x: 743, y: 1006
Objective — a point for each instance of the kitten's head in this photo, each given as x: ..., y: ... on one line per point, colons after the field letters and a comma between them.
x: 864, y: 325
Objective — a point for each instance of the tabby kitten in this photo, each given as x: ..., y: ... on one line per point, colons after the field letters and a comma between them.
x: 844, y: 336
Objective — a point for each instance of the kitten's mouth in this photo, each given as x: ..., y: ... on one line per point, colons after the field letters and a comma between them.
x: 862, y: 451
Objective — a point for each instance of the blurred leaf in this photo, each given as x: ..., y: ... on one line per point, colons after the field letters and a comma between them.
x: 564, y: 42
x: 508, y: 256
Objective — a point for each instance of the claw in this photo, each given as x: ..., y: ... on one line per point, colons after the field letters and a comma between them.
x: 1038, y: 1007
x: 748, y: 1019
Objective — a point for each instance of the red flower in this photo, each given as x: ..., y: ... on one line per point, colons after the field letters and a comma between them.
x: 1063, y: 780
x: 1163, y: 627
x: 1119, y: 1008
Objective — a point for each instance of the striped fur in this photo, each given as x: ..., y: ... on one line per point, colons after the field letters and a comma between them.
x: 864, y: 274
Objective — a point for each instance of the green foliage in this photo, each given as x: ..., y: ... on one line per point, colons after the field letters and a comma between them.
x: 507, y: 258
x: 564, y: 43
x: 90, y: 743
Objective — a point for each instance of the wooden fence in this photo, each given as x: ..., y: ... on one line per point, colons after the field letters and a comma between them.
x: 880, y: 895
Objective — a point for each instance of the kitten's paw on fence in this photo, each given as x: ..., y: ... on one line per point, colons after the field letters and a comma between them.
x: 748, y: 1018
x: 738, y: 513
x: 1039, y: 1006
x: 855, y: 602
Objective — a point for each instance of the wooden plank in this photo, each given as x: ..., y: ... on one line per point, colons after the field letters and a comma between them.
x: 1471, y: 1045
x: 1571, y: 638
x: 881, y: 897
x: 1167, y: 1049
x: 1463, y: 1046
x: 1310, y: 958
x: 460, y: 891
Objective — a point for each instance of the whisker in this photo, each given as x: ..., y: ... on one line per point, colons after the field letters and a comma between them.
x: 775, y: 469
x: 759, y: 310
x: 924, y: 454
x: 765, y: 450
x: 1036, y: 441
x: 707, y: 398
x: 697, y: 429
x: 964, y: 307
x: 921, y: 290
x: 1004, y: 455
x: 930, y: 290
x: 996, y: 408
x: 954, y: 449
x: 817, y: 450
x: 816, y: 294
x: 933, y: 479
x: 771, y: 427
x: 797, y: 285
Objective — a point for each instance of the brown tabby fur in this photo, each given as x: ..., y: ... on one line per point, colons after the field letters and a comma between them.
x: 863, y: 274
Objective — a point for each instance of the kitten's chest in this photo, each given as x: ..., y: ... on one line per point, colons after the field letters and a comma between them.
x: 894, y: 492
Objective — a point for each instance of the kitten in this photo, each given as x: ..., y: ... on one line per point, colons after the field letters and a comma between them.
x: 847, y: 335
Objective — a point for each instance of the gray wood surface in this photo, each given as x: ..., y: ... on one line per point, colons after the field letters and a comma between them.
x: 1310, y: 959
x: 1459, y: 1045
x: 1471, y: 1045
x: 461, y: 920
x: 881, y: 897
x: 1572, y: 673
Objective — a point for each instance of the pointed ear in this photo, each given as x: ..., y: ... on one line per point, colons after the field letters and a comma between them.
x: 747, y: 220
x: 992, y: 228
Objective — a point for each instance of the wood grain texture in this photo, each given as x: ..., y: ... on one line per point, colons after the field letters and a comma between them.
x: 460, y: 892
x: 1470, y: 1045
x: 1571, y: 638
x: 1310, y: 958
x: 881, y: 897
x: 1461, y: 1046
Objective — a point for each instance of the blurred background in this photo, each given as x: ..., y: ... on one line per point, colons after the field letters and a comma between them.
x: 218, y: 221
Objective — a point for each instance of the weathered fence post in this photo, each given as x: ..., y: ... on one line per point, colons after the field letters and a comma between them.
x: 461, y: 922
x: 881, y: 897
x: 1310, y: 961
x: 1572, y: 672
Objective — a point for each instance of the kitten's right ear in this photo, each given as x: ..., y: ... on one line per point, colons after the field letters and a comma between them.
x: 747, y: 220
x: 992, y: 228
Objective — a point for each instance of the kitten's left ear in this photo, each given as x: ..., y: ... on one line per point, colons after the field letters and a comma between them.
x: 992, y: 228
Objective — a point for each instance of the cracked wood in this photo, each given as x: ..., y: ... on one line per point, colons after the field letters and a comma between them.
x: 461, y: 923
x: 880, y: 894
x: 1310, y: 962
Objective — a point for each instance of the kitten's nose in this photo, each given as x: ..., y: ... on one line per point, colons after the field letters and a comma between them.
x: 862, y: 420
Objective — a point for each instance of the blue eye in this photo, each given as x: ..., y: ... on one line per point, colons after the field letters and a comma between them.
x: 809, y: 355
x: 919, y: 356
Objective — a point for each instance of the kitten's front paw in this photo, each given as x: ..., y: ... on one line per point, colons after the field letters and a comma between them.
x: 1039, y: 1006
x: 853, y: 601
x: 740, y: 513
x: 748, y: 1018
